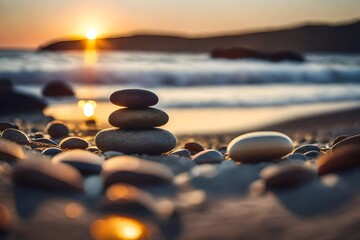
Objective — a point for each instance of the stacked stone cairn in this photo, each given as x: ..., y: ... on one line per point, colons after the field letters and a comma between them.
x: 136, y: 125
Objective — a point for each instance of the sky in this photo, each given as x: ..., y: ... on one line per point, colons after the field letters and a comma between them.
x: 30, y: 23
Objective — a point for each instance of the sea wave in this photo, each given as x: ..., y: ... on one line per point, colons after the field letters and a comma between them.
x: 179, y: 70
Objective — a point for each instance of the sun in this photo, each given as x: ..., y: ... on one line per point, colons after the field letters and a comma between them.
x: 91, y: 34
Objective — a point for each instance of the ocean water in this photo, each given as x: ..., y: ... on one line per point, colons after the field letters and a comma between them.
x: 190, y: 80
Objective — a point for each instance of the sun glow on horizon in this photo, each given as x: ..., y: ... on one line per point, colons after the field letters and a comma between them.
x: 91, y: 34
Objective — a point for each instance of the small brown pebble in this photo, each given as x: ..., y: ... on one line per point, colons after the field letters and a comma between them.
x: 193, y: 147
x: 343, y: 158
x: 286, y: 176
x: 353, y: 140
x: 57, y: 129
x: 339, y: 139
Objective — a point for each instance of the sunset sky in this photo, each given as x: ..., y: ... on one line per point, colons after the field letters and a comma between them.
x: 29, y: 23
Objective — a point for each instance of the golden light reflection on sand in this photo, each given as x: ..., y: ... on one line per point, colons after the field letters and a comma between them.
x: 118, y: 228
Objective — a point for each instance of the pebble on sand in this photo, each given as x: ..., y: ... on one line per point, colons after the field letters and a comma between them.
x: 346, y: 157
x: 132, y: 170
x: 306, y: 148
x: 73, y: 143
x: 181, y: 153
x: 353, y: 140
x: 84, y: 161
x: 10, y: 151
x: 150, y: 141
x: 51, y: 151
x: 15, y: 135
x: 46, y: 175
x: 57, y: 129
x: 208, y: 156
x: 134, y: 98
x: 193, y: 147
x: 259, y: 146
x: 143, y: 118
x: 286, y: 176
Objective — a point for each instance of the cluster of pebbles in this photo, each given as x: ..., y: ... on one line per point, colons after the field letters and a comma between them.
x: 120, y: 172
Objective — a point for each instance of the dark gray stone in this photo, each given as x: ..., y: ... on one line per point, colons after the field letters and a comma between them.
x: 134, y: 98
x: 145, y: 118
x: 150, y: 141
x: 73, y: 143
x: 15, y: 135
x: 57, y: 129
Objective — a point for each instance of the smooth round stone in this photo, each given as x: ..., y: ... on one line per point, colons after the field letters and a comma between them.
x: 346, y: 157
x: 312, y: 154
x: 10, y: 151
x: 73, y: 143
x: 181, y: 153
x: 6, y: 125
x: 286, y: 176
x: 48, y: 176
x: 15, y: 135
x: 339, y: 139
x: 84, y: 161
x: 259, y: 146
x: 208, y: 156
x: 151, y: 141
x: 134, y: 98
x: 132, y: 170
x: 128, y: 118
x: 57, y: 129
x: 306, y: 148
x: 353, y: 140
x: 52, y: 151
x: 193, y: 147
x: 46, y: 141
x: 5, y: 219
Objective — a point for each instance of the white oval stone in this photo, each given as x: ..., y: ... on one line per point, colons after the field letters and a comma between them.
x: 259, y: 146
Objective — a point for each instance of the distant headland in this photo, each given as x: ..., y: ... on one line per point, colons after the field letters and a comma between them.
x: 342, y: 38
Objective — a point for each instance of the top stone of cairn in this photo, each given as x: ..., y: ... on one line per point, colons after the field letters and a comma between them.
x: 134, y: 98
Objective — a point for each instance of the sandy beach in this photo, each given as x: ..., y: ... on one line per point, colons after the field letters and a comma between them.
x: 232, y: 206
